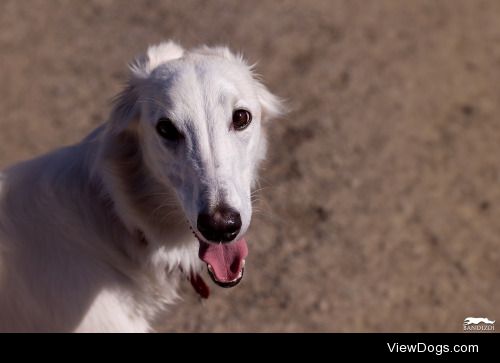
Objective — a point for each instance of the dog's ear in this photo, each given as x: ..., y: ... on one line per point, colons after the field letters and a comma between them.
x: 126, y: 107
x: 156, y: 55
x: 271, y: 105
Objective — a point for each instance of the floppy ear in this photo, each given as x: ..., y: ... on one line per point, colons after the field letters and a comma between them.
x: 271, y: 105
x: 125, y: 104
x: 125, y: 109
x: 156, y: 55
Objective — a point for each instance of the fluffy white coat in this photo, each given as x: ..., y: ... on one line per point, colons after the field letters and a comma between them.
x: 95, y: 237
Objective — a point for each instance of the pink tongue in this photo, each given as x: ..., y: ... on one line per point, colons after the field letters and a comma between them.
x: 226, y: 259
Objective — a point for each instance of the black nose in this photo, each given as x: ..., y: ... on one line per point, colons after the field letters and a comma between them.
x: 220, y: 225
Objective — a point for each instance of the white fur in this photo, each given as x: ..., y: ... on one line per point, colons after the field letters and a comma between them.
x: 72, y: 252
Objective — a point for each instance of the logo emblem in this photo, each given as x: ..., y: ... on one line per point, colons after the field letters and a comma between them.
x: 478, y: 324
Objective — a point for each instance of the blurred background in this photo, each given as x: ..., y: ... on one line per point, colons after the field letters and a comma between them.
x: 380, y: 207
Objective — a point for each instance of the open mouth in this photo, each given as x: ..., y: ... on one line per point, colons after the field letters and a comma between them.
x: 225, y: 261
x: 225, y: 284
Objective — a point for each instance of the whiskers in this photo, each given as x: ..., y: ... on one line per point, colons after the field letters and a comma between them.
x: 166, y: 207
x: 262, y: 210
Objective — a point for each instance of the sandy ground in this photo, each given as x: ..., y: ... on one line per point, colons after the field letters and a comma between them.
x: 381, y: 202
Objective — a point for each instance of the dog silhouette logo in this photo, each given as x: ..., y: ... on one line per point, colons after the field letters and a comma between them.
x: 478, y: 324
x: 475, y: 321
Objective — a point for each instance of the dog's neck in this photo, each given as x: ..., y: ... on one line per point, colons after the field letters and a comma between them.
x: 159, y: 235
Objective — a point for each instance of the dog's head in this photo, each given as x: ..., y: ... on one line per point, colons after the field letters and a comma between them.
x: 200, y: 117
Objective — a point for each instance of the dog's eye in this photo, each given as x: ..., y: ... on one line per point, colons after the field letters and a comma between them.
x: 167, y: 130
x: 241, y: 119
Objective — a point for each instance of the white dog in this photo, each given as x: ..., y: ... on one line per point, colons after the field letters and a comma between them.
x: 96, y: 236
